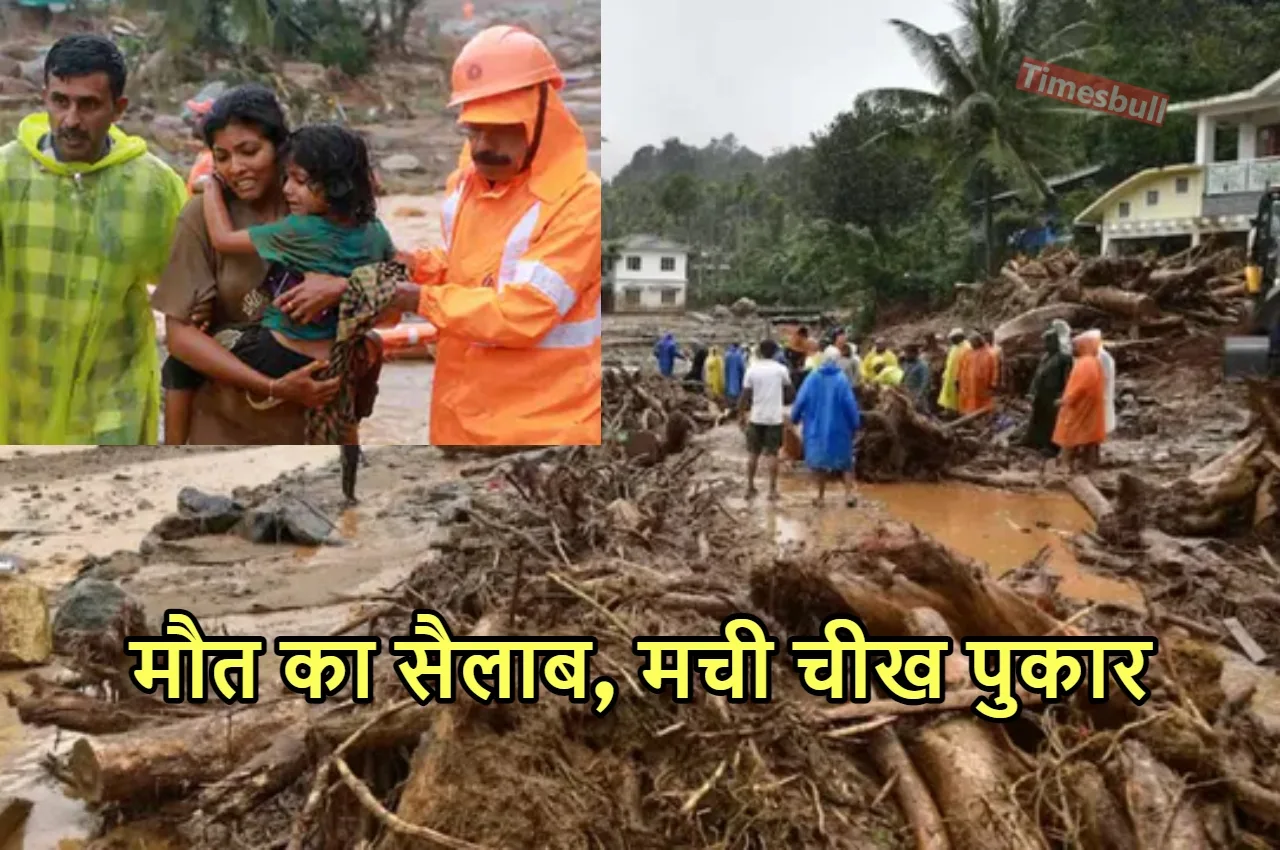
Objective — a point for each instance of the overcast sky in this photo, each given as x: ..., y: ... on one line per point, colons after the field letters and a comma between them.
x: 769, y: 71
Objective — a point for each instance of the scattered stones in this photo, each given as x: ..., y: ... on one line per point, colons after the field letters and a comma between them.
x: 402, y: 163
x: 94, y: 611
x: 25, y: 637
x: 286, y: 519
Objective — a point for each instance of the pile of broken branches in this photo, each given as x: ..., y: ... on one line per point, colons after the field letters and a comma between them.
x: 1195, y: 766
x: 1144, y: 304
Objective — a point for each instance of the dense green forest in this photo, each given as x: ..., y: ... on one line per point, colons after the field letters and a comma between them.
x: 884, y: 205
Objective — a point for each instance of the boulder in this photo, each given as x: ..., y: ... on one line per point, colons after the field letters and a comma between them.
x: 286, y: 519
x: 199, y: 513
x: 10, y: 67
x: 402, y: 163
x: 94, y: 611
x: 744, y: 307
x: 26, y: 639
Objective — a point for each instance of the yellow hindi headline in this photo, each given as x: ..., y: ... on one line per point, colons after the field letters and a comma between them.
x: 844, y: 665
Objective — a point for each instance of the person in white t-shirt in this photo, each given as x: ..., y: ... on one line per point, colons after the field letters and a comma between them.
x: 763, y: 389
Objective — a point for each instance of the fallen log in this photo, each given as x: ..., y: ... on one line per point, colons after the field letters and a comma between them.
x: 1090, y: 499
x: 1159, y: 808
x: 910, y: 790
x: 150, y: 764
x: 1025, y: 331
x: 1130, y: 305
x: 965, y: 771
x: 77, y: 712
x: 1102, y: 820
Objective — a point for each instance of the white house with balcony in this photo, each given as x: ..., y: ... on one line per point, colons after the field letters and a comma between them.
x: 1179, y: 205
x: 647, y: 274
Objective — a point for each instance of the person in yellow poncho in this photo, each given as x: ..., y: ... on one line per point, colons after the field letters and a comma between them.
x: 715, y: 373
x: 949, y: 395
x: 880, y: 355
x: 86, y: 219
x: 889, y: 375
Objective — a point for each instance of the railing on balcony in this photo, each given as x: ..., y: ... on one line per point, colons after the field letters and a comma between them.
x: 1248, y: 175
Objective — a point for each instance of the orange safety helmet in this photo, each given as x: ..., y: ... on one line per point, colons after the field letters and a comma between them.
x: 499, y: 60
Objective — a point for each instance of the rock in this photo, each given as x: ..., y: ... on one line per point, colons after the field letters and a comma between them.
x: 11, y: 564
x: 94, y: 611
x: 286, y: 519
x: 15, y: 86
x: 118, y: 565
x: 10, y: 67
x: 456, y: 510
x: 625, y: 514
x: 33, y: 71
x: 402, y: 163
x: 199, y: 513
x: 21, y: 51
x: 25, y: 637
x: 744, y: 307
x: 721, y: 312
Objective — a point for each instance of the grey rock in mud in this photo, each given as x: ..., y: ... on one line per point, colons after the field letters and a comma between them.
x: 287, y: 519
x: 199, y: 513
x: 93, y: 609
x: 402, y: 163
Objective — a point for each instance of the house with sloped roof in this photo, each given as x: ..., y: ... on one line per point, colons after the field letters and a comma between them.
x: 1179, y: 205
x: 644, y: 273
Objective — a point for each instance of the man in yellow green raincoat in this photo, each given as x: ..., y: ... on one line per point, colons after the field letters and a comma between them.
x: 949, y: 394
x: 86, y: 218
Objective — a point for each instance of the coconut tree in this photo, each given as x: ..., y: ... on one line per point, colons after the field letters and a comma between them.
x: 990, y: 131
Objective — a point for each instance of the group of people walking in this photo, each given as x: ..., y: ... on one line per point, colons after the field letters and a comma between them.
x: 271, y: 269
x: 1072, y: 393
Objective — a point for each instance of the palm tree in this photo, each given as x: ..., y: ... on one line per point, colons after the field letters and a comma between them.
x: 990, y: 129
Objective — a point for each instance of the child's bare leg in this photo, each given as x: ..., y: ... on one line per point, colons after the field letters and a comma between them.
x: 177, y: 416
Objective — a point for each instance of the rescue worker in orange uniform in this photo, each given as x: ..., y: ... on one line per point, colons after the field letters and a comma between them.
x: 979, y: 376
x: 515, y: 291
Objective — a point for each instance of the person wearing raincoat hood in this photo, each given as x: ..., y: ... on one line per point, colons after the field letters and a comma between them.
x: 515, y: 289
x: 667, y: 353
x: 828, y: 411
x: 1047, y: 386
x: 1082, y: 419
x: 949, y: 394
x: 735, y: 366
x: 715, y: 373
x: 86, y: 219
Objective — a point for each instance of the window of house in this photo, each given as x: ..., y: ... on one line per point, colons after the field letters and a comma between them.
x: 1181, y: 185
x: 668, y: 264
x: 633, y: 264
x: 1124, y: 209
x: 669, y: 295
x: 1153, y: 197
x: 631, y: 297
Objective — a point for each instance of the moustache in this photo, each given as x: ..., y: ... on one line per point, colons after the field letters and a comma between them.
x: 488, y: 158
x: 73, y: 135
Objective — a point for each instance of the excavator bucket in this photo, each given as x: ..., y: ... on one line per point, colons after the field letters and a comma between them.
x: 1246, y: 356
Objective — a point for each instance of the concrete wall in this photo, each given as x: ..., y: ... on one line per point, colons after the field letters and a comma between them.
x: 651, y: 266
x: 650, y: 296
x: 1169, y: 205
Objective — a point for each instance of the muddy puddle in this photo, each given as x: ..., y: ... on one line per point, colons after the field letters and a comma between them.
x: 1001, y: 528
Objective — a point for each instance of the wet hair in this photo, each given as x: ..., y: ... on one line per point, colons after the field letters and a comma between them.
x: 768, y: 348
x: 337, y: 161
x: 911, y: 350
x: 252, y: 105
x: 84, y: 54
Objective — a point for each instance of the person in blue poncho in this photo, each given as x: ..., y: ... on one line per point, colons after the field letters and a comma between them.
x: 828, y: 410
x: 735, y: 366
x: 667, y: 353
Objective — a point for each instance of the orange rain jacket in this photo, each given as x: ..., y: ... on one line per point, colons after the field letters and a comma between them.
x: 515, y: 294
x: 979, y: 374
x: 1082, y: 418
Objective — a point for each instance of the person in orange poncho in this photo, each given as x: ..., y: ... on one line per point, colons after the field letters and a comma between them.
x: 978, y: 375
x: 515, y: 291
x: 1082, y: 416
